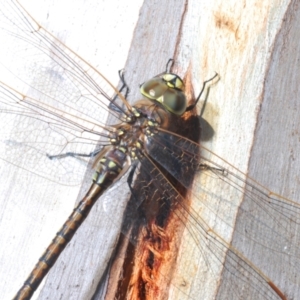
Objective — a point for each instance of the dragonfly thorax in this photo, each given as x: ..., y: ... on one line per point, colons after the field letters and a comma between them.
x: 165, y: 102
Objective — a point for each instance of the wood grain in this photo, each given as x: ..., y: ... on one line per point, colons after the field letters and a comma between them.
x: 253, y: 111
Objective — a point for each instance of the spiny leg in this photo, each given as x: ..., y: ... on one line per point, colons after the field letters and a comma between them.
x: 73, y: 154
x: 112, y: 104
x: 200, y: 94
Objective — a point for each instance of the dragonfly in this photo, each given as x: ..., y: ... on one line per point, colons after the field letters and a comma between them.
x: 64, y: 125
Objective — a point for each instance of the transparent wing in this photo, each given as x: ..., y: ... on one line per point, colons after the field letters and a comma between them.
x: 221, y: 194
x: 66, y: 98
x: 271, y: 222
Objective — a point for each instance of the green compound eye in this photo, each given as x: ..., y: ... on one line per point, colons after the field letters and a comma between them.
x: 166, y: 89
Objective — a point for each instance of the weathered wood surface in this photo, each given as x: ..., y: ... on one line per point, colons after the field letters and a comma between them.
x: 253, y: 111
x: 34, y: 208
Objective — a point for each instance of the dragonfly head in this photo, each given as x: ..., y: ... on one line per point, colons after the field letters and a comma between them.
x: 168, y: 90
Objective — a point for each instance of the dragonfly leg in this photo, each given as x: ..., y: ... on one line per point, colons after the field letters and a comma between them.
x: 138, y: 198
x: 124, y: 84
x: 112, y: 105
x: 130, y: 179
x: 205, y: 167
x: 169, y: 65
x: 73, y: 154
x: 201, y: 92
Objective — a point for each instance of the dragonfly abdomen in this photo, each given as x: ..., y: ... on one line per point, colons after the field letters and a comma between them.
x: 108, y: 169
